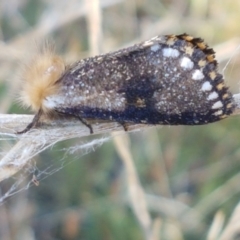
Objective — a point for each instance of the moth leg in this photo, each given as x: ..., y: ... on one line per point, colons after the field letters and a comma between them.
x: 86, y: 124
x: 33, y: 123
x: 125, y: 126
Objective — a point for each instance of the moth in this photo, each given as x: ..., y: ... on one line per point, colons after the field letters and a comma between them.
x: 169, y: 80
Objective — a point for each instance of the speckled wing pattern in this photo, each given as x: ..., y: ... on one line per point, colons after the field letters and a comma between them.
x: 170, y: 79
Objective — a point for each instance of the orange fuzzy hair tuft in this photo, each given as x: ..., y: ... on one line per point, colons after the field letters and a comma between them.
x: 40, y: 77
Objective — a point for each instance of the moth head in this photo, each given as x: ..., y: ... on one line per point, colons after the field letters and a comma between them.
x: 39, y: 78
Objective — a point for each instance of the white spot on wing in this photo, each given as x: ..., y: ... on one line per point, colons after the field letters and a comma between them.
x: 212, y: 95
x: 170, y: 52
x: 217, y: 104
x: 186, y: 63
x: 55, y: 101
x: 206, y: 86
x: 52, y: 101
x: 197, y: 75
x: 218, y: 113
x: 155, y: 47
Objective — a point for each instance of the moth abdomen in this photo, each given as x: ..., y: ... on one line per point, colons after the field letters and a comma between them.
x: 169, y: 79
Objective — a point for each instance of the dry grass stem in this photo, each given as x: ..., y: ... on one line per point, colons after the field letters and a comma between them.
x: 37, y: 140
x: 156, y: 226
x: 94, y: 19
x: 175, y: 209
x: 135, y: 190
x: 232, y: 229
x: 216, y: 226
x: 219, y: 196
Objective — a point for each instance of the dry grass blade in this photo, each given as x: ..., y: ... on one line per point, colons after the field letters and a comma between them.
x: 135, y: 190
x: 232, y: 229
x: 216, y: 227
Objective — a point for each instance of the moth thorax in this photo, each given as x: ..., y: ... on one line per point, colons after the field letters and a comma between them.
x: 39, y: 80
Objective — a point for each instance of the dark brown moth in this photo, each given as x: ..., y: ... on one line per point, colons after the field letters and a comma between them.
x: 170, y: 80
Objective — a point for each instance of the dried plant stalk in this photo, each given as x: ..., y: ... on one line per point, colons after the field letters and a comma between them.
x: 135, y: 189
x: 37, y: 140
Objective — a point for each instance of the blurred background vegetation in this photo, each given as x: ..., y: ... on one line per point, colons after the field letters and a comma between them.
x: 190, y: 175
